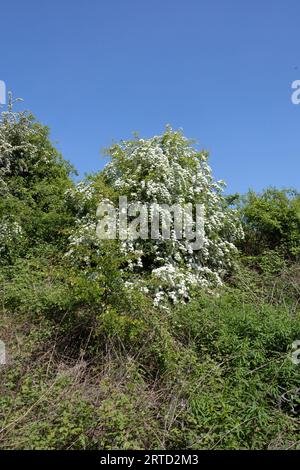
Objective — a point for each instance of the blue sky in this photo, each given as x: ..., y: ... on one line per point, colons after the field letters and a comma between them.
x: 222, y: 70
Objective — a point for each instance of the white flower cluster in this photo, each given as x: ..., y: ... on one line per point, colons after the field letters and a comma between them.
x: 10, y: 233
x: 83, y: 189
x: 17, y: 154
x: 167, y: 169
x: 79, y: 197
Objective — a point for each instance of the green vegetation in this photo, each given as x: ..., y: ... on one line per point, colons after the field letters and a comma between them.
x: 94, y: 364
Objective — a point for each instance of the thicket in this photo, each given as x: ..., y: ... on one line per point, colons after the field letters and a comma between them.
x: 104, y: 353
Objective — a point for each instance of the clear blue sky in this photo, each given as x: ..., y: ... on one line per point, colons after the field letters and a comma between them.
x: 96, y: 70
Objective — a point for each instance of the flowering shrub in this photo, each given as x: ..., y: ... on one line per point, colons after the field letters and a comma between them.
x: 165, y: 169
x: 33, y: 180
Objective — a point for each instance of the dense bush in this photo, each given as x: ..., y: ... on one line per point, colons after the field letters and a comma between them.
x: 33, y: 180
x: 93, y: 362
x: 272, y: 222
x: 168, y: 170
x: 214, y: 374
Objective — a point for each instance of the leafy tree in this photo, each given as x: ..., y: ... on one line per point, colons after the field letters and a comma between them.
x: 33, y: 180
x: 271, y: 221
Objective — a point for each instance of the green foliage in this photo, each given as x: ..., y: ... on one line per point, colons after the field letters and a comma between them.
x: 215, y: 373
x: 94, y: 364
x: 26, y: 423
x: 272, y: 221
x: 33, y: 181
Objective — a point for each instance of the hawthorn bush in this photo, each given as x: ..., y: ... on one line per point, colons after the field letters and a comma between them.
x: 33, y: 180
x: 165, y: 169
